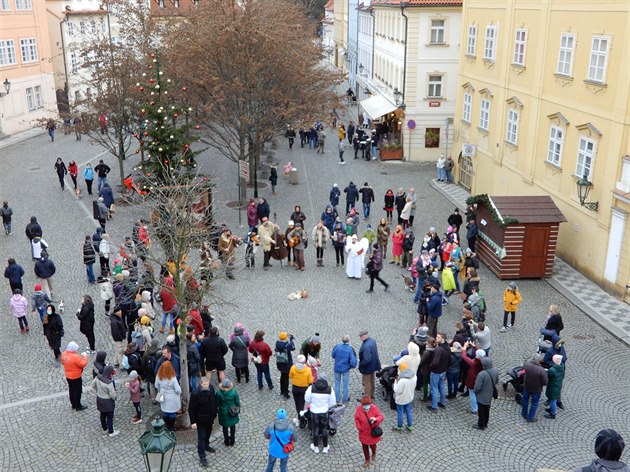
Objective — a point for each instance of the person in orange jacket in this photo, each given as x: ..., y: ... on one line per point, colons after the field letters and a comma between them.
x: 73, y: 365
x: 511, y: 299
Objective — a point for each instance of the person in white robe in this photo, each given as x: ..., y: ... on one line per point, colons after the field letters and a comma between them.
x: 356, y: 251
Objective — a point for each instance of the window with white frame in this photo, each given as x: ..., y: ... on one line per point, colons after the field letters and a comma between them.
x: 30, y: 99
x: 471, y: 45
x: 74, y: 62
x: 520, y: 42
x: 466, y: 113
x: 512, y: 126
x: 565, y: 57
x: 7, y: 52
x: 435, y: 86
x: 585, y: 157
x: 4, y: 5
x: 23, y: 4
x: 437, y: 31
x: 37, y: 93
x: 489, y: 51
x: 556, y: 140
x: 599, y: 57
x: 484, y: 114
x: 29, y: 49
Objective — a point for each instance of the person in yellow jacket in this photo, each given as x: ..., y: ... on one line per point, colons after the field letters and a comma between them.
x: 341, y: 132
x: 301, y: 377
x: 511, y: 299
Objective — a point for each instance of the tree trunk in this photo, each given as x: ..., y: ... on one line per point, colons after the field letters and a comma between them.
x: 242, y: 183
x: 121, y: 158
x: 184, y: 419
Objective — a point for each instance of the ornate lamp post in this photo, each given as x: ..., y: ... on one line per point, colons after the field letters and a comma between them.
x: 7, y: 87
x: 584, y: 186
x: 157, y: 446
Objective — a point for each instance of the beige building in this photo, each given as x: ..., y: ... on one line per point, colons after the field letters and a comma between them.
x: 544, y: 102
x: 340, y: 33
x: 414, y: 79
x: 25, y: 63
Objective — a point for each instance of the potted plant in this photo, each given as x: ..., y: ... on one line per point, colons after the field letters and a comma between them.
x: 392, y: 152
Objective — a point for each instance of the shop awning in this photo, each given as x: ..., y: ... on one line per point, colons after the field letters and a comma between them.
x: 377, y: 106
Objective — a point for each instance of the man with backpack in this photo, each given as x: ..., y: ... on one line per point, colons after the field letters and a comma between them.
x: 284, y: 360
x: 131, y: 359
x: 149, y: 362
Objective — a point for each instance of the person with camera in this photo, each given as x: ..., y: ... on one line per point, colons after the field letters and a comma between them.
x: 367, y: 419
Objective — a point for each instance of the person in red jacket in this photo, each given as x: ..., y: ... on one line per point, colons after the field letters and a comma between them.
x: 169, y: 303
x: 261, y: 351
x: 474, y: 367
x: 367, y: 416
x: 73, y: 365
x: 73, y: 170
x: 194, y: 319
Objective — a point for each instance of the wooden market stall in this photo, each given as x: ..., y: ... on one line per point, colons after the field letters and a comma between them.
x: 517, y: 235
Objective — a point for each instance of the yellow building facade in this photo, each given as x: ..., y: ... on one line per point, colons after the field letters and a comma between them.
x: 340, y: 32
x: 544, y: 100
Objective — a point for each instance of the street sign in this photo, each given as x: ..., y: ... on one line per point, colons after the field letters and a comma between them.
x: 244, y: 169
x: 411, y: 124
x: 434, y: 103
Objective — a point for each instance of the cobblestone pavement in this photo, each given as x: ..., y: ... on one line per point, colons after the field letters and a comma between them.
x: 40, y: 432
x: 608, y: 311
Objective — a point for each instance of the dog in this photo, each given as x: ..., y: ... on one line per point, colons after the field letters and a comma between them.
x: 78, y: 192
x: 408, y: 282
x: 298, y: 294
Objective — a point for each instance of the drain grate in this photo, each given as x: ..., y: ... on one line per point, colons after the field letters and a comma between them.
x: 35, y: 168
x: 383, y: 173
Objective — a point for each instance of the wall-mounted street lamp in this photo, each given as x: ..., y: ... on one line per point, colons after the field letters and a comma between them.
x: 584, y: 187
x: 7, y: 87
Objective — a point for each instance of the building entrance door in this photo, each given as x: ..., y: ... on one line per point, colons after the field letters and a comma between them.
x: 465, y: 171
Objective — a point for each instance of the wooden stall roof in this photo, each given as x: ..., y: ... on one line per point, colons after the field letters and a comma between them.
x: 528, y: 209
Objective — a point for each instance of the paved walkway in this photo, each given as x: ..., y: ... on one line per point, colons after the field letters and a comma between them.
x: 611, y: 313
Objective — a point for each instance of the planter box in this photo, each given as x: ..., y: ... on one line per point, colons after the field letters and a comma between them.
x: 391, y: 154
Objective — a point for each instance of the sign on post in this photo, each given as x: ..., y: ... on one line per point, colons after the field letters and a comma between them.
x: 244, y: 169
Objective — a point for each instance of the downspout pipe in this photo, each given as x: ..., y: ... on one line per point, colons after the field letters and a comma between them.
x: 63, y: 53
x: 373, y: 28
x: 404, y: 84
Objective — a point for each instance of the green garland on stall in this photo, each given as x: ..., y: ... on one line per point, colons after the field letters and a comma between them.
x: 483, y: 199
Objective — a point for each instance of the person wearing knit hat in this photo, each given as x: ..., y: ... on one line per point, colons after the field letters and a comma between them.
x: 39, y: 301
x: 555, y: 376
x: 279, y: 433
x: 284, y: 360
x: 609, y: 446
x: 404, y: 389
x: 73, y: 365
x: 135, y: 395
x: 228, y: 408
x: 511, y: 299
x: 367, y: 417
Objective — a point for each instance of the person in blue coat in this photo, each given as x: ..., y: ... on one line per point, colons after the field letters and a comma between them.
x: 434, y: 309
x: 328, y: 218
x: 108, y: 195
x: 88, y: 176
x: 345, y: 359
x: 279, y: 433
x: 14, y: 272
x: 369, y: 362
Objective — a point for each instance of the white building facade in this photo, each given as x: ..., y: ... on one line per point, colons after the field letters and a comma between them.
x: 365, y: 49
x: 328, y: 31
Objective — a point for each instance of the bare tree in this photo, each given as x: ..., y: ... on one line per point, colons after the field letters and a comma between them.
x: 256, y: 68
x: 111, y: 69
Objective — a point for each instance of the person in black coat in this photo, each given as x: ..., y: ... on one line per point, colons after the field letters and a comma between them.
x: 53, y: 330
x: 89, y: 258
x: 352, y: 196
x: 44, y: 270
x: 14, y: 272
x: 401, y: 200
x: 263, y: 209
x: 285, y: 343
x: 33, y: 229
x: 472, y: 234
x: 212, y: 351
x: 554, y: 320
x: 273, y: 178
x: 240, y: 357
x: 455, y: 220
x: 61, y: 169
x: 202, y: 411
x: 119, y: 332
x: 85, y: 314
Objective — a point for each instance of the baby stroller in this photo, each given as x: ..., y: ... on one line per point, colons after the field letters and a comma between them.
x: 516, y: 376
x: 335, y: 418
x: 386, y: 376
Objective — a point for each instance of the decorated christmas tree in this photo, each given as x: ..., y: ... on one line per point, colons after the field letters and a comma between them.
x: 166, y: 134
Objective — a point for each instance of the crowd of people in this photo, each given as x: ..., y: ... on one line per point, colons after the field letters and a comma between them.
x: 142, y: 306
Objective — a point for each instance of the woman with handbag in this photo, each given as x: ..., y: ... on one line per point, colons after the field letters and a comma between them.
x: 229, y: 409
x: 367, y: 418
x: 169, y: 393
x: 261, y: 352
